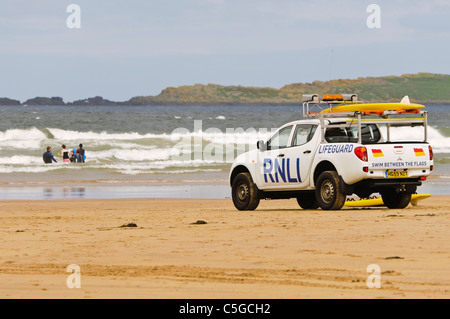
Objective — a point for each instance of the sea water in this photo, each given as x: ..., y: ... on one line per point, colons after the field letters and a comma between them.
x: 155, y: 146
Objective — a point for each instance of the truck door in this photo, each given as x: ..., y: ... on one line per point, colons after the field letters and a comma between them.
x: 287, y: 160
x: 300, y: 154
x: 272, y: 161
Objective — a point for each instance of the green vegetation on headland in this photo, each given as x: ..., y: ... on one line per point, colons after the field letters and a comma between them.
x: 424, y: 88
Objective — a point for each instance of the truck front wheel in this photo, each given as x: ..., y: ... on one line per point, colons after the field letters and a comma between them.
x: 244, y: 192
x: 393, y: 200
x: 328, y: 192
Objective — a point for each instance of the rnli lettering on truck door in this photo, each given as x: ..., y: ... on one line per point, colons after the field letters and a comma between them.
x: 278, y: 170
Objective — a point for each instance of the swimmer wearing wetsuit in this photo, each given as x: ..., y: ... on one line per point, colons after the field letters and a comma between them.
x: 48, y: 156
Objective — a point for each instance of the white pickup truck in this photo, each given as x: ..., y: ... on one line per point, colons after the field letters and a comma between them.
x: 327, y: 156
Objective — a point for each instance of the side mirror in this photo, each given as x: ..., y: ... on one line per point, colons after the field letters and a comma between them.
x: 261, y: 145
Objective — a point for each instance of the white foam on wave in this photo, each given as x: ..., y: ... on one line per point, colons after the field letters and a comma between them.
x: 68, y: 135
x: 228, y: 136
x: 32, y: 138
x: 20, y: 144
x: 7, y: 169
x: 19, y: 134
x: 214, y: 135
x: 21, y: 139
x: 128, y: 145
x: 159, y: 164
x: 17, y: 159
x: 168, y: 166
x: 132, y: 154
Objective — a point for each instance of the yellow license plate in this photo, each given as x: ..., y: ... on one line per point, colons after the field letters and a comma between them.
x: 396, y: 174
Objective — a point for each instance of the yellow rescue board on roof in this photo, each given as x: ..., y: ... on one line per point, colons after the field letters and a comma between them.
x: 374, y: 107
x: 379, y: 201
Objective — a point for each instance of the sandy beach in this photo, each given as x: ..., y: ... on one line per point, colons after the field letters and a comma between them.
x: 278, y: 251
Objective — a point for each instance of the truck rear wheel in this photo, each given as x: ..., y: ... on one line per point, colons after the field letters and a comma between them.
x: 328, y: 192
x: 307, y: 200
x: 393, y: 200
x: 244, y: 192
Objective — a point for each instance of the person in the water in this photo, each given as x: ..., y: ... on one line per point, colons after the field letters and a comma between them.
x: 72, y: 156
x: 80, y: 154
x: 48, y: 156
x: 65, y: 154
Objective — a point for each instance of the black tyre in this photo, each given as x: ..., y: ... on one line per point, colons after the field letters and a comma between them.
x: 328, y: 192
x: 244, y: 192
x: 393, y: 200
x: 307, y: 200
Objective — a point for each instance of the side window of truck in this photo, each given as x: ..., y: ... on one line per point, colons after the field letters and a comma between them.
x: 370, y: 134
x: 303, y: 134
x: 280, y: 139
x: 338, y: 135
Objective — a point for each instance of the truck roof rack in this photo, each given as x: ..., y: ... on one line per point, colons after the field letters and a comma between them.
x: 322, y: 108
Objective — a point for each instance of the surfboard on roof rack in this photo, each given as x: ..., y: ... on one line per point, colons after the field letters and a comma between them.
x: 373, y: 106
x: 341, y: 103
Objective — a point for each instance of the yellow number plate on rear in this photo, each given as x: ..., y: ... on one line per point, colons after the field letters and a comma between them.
x: 395, y: 174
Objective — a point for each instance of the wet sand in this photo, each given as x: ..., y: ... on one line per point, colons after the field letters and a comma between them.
x: 278, y: 251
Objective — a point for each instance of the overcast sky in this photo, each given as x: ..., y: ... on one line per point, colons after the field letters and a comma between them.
x: 130, y: 48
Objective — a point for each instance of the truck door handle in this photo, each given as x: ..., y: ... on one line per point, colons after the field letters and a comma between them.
x: 307, y: 152
x: 281, y: 155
